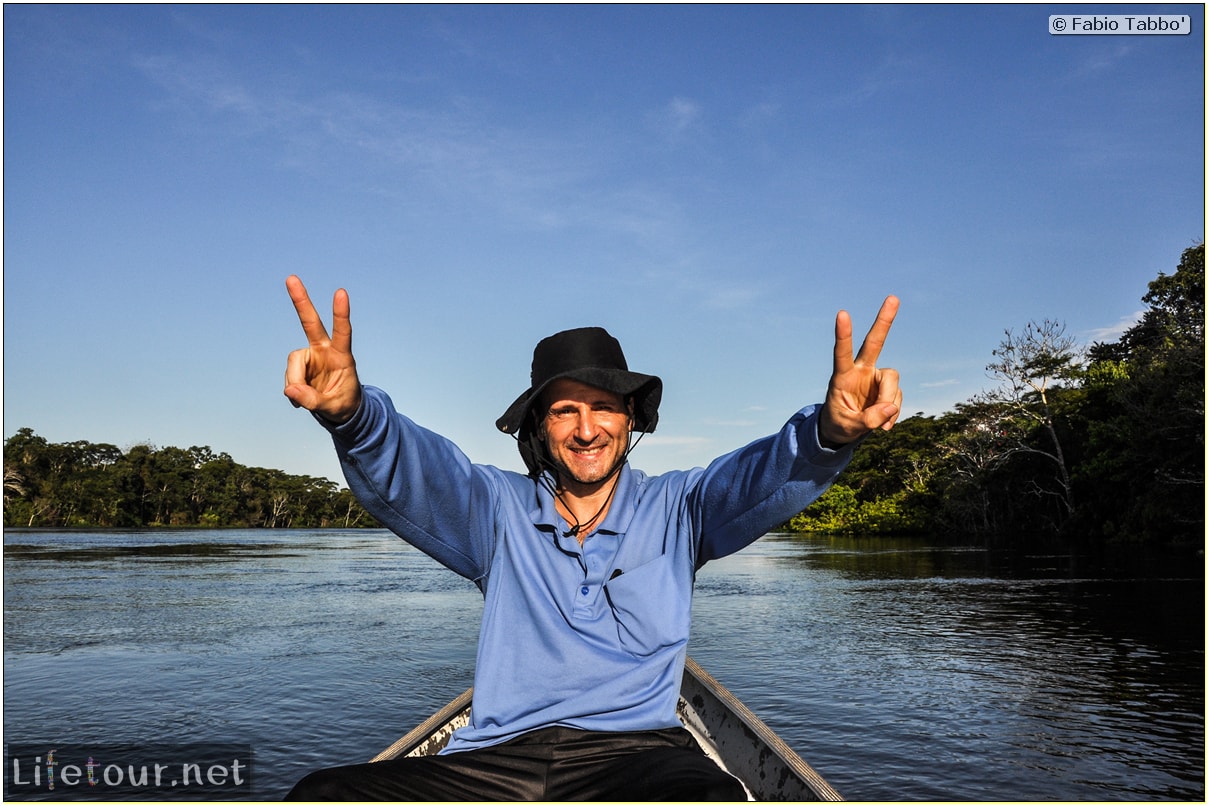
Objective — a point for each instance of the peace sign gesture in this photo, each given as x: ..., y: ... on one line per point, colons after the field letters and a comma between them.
x: 860, y: 397
x: 322, y: 377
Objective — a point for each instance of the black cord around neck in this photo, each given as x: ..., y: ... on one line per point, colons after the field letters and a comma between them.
x: 552, y: 485
x: 574, y: 530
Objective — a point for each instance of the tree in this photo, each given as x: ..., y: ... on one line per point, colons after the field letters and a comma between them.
x: 13, y: 485
x: 974, y: 447
x: 1145, y: 458
x: 1029, y: 367
x: 890, y: 481
x: 96, y: 484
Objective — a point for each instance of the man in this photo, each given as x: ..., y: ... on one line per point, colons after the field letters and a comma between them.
x: 586, y: 565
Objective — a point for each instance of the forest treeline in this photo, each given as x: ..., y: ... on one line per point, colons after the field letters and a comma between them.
x: 90, y: 484
x: 1105, y: 441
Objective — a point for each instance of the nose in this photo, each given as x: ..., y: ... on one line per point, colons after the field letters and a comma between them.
x: 586, y: 426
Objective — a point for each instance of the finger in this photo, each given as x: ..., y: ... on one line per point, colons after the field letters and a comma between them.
x: 843, y: 343
x: 888, y: 416
x: 871, y: 348
x: 312, y: 325
x: 297, y: 389
x: 889, y: 400
x: 295, y: 368
x: 342, y: 328
x: 898, y: 406
x: 887, y: 386
x: 302, y: 396
x: 884, y: 408
x: 881, y: 415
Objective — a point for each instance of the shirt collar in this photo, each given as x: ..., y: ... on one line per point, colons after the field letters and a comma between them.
x: 621, y: 508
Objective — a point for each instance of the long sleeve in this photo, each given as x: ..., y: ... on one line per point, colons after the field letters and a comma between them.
x: 747, y: 492
x: 418, y: 484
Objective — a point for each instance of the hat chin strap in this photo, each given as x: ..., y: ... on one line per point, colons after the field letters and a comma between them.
x: 614, y: 473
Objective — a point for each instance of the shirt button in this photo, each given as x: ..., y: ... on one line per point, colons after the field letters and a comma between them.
x: 584, y: 590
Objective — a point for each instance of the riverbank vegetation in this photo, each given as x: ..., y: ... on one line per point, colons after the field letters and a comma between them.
x: 1105, y: 441
x: 85, y: 484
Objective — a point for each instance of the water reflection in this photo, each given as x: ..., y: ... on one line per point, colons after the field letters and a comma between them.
x: 965, y: 671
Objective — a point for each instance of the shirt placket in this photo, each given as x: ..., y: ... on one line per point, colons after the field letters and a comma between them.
x: 594, y: 557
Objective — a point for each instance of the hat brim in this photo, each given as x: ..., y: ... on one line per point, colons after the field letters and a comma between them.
x: 647, y: 390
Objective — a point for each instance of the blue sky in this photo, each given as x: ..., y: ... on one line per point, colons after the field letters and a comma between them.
x: 710, y: 183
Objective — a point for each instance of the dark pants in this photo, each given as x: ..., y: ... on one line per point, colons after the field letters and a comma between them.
x: 547, y: 764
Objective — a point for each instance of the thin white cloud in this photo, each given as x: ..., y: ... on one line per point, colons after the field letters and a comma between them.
x: 731, y: 423
x: 673, y: 120
x: 729, y: 297
x: 455, y: 150
x: 885, y: 77
x: 1109, y: 334
x: 1102, y: 60
x: 760, y: 115
x: 675, y: 442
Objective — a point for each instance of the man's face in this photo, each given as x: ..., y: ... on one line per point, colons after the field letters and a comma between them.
x: 586, y: 431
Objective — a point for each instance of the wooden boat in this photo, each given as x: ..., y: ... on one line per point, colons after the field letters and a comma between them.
x: 735, y: 738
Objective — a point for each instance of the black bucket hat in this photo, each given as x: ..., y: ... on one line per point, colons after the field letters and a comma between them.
x: 588, y: 355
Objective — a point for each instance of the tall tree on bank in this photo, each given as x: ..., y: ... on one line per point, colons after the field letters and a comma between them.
x: 1030, y: 366
x: 1145, y: 464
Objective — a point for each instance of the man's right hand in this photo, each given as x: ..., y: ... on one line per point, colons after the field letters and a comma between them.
x: 322, y: 377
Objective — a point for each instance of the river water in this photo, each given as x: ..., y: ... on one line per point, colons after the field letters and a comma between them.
x: 901, y: 669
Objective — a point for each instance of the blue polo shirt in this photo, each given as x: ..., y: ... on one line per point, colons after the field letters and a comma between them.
x: 593, y: 636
